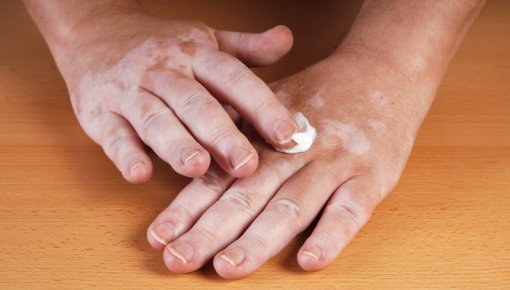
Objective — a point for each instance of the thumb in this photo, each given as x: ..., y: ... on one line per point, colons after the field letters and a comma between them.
x: 256, y: 49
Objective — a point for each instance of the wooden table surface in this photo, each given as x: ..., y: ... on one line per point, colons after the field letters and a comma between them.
x: 68, y: 220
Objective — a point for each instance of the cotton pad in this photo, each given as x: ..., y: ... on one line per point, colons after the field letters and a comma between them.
x: 304, y: 138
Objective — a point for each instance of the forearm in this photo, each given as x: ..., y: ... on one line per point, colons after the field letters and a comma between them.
x: 57, y: 19
x: 417, y: 38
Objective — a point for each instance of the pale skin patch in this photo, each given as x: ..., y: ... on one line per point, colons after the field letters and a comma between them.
x: 317, y: 100
x: 378, y: 98
x: 113, y: 89
x: 284, y: 97
x: 125, y: 77
x: 376, y: 125
x: 352, y: 138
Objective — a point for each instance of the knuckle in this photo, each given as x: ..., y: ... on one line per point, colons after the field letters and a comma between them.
x: 111, y: 143
x: 193, y: 102
x: 241, y: 200
x: 211, y: 180
x: 234, y: 77
x: 221, y: 134
x: 266, y: 105
x: 290, y: 209
x: 259, y: 242
x: 149, y: 118
x: 208, y: 234
x: 235, y: 72
x: 353, y: 210
x: 334, y: 236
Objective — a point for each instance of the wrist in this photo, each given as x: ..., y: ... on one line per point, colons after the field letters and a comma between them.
x: 414, y: 38
x: 379, y: 75
x: 94, y: 35
x: 404, y: 70
x: 63, y: 22
x: 414, y: 66
x: 96, y: 23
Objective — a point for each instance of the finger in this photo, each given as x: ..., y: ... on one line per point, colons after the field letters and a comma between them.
x: 289, y: 212
x: 160, y: 129
x: 256, y: 49
x: 121, y: 145
x: 206, y: 119
x: 225, y: 220
x: 233, y: 83
x: 344, y: 215
x: 188, y: 206
x: 124, y: 148
x: 233, y: 115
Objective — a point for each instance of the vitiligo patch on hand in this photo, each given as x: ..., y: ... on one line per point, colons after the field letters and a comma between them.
x: 304, y: 138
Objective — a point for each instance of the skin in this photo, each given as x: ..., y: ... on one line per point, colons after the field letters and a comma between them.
x: 367, y: 101
x: 133, y: 78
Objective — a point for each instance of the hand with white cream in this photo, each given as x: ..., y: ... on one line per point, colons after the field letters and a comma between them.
x: 366, y: 102
x: 134, y: 78
x: 356, y: 159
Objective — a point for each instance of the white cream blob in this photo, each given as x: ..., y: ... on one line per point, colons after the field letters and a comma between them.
x: 304, y: 138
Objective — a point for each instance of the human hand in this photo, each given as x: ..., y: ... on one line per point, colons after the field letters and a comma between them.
x: 367, y: 116
x: 133, y: 77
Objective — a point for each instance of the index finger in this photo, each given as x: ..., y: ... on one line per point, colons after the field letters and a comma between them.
x: 229, y: 80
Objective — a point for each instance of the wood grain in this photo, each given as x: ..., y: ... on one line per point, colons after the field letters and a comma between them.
x: 69, y: 221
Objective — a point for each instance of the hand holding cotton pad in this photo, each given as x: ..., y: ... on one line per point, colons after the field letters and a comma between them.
x: 304, y: 138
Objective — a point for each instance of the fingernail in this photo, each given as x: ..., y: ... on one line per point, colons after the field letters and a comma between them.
x: 135, y: 169
x: 163, y: 233
x: 239, y: 157
x: 183, y: 252
x: 233, y: 256
x: 314, y: 252
x: 283, y: 131
x: 188, y: 154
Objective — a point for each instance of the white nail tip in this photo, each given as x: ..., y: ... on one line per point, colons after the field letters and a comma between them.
x: 191, y: 156
x: 311, y: 255
x: 157, y: 238
x: 177, y: 255
x: 304, y: 138
x: 244, y: 161
x: 137, y: 165
x: 228, y: 260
